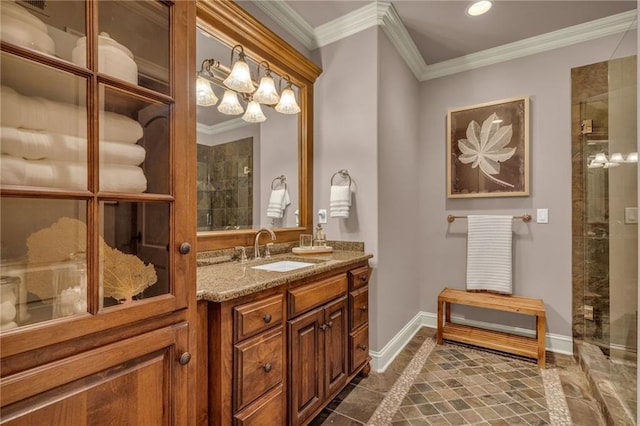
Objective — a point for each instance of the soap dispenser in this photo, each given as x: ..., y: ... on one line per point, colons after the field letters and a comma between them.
x: 320, y: 239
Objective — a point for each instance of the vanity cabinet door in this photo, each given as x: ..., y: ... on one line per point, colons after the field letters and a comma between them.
x: 335, y: 335
x: 306, y: 366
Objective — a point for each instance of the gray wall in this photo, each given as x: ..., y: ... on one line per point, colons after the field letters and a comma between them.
x: 542, y: 258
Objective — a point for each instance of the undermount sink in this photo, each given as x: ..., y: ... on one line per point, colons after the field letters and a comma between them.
x: 283, y: 266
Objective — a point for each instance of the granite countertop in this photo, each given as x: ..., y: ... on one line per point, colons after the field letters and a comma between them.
x: 219, y: 282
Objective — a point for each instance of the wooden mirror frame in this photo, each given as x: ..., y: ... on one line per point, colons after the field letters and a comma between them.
x: 233, y: 25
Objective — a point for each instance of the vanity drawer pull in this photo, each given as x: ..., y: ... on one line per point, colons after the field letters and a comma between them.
x: 267, y: 367
x: 267, y: 318
x: 363, y: 308
x: 362, y: 347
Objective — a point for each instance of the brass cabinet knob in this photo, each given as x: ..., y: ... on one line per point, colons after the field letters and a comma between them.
x: 267, y: 318
x: 362, y: 346
x: 185, y: 248
x: 363, y: 308
x: 185, y: 358
x: 267, y: 367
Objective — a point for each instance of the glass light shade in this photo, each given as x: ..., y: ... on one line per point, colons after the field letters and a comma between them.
x: 230, y: 104
x: 616, y: 157
x: 240, y: 78
x: 610, y: 165
x: 600, y: 158
x: 266, y: 93
x: 288, y: 104
x: 254, y: 113
x: 632, y: 157
x: 594, y: 165
x: 204, y: 93
x: 478, y: 8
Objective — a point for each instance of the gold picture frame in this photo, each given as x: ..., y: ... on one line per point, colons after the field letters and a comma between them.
x: 488, y: 149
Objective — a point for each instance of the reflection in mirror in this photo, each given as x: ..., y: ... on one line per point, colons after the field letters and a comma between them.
x: 238, y: 158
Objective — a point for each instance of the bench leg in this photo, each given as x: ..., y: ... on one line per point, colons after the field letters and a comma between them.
x: 540, y: 332
x: 440, y: 322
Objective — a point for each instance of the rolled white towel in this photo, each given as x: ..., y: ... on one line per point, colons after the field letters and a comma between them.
x: 37, y: 144
x: 67, y: 119
x: 69, y: 175
x: 340, y: 201
x: 278, y: 201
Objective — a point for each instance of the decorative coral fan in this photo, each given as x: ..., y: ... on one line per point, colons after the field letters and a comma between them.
x: 124, y: 275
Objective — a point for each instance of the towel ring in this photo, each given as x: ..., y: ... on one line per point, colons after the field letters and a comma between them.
x: 344, y: 173
x: 282, y: 179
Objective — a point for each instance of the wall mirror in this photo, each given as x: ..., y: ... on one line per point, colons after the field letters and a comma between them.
x: 246, y: 162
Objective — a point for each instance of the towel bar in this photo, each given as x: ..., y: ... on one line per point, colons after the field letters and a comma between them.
x: 525, y: 217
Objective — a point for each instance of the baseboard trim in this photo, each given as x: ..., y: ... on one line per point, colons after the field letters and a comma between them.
x: 380, y: 360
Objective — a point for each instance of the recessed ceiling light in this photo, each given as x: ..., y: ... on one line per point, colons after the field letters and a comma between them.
x: 478, y: 8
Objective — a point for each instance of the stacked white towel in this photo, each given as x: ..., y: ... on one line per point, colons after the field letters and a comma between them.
x: 340, y: 201
x: 43, y: 143
x: 489, y: 253
x: 278, y: 201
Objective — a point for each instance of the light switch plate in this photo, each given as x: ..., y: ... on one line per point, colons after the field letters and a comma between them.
x: 542, y: 216
x: 322, y: 216
x: 630, y: 215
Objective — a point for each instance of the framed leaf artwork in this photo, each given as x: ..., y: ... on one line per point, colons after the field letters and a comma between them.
x: 488, y: 149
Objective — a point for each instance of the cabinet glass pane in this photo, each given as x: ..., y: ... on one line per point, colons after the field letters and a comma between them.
x: 43, y: 260
x: 44, y: 126
x: 135, y: 144
x: 134, y: 261
x: 49, y: 27
x: 134, y: 42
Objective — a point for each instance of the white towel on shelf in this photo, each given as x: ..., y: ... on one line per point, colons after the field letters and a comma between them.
x: 278, y: 201
x: 340, y: 201
x: 69, y: 175
x: 489, y: 253
x: 37, y: 144
x: 55, y: 117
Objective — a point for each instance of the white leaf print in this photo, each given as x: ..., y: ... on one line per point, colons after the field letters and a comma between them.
x: 486, y: 147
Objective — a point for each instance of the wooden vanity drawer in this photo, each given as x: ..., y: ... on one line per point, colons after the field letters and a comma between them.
x: 308, y: 296
x: 258, y: 366
x: 252, y: 318
x: 268, y: 410
x: 359, y: 302
x: 358, y: 277
x: 359, y: 348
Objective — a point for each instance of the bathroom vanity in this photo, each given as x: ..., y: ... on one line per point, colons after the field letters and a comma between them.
x: 275, y: 347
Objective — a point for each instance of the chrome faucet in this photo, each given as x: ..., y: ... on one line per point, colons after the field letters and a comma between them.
x: 256, y: 248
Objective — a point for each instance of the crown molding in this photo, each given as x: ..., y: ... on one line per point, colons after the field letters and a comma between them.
x: 290, y: 20
x: 383, y: 13
x: 561, y: 38
x: 225, y: 126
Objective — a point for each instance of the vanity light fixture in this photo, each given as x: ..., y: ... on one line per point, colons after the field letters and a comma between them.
x: 632, y: 157
x: 239, y: 81
x: 479, y: 8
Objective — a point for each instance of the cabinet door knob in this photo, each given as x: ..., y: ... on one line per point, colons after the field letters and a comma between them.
x: 185, y: 248
x: 185, y: 358
x: 323, y: 327
x: 267, y: 318
x: 267, y: 367
x: 363, y: 308
x: 363, y: 278
x: 362, y: 346
x: 329, y: 324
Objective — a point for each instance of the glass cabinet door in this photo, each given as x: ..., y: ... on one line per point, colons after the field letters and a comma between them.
x: 86, y: 183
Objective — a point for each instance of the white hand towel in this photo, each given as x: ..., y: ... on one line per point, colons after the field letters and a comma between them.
x: 340, y: 201
x: 37, y: 144
x: 278, y: 201
x: 489, y: 256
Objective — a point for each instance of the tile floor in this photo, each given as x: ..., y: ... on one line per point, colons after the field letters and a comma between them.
x: 455, y: 387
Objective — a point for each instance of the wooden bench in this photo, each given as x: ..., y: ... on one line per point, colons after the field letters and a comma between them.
x: 530, y: 347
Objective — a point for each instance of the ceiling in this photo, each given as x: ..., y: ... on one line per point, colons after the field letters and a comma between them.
x: 430, y: 34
